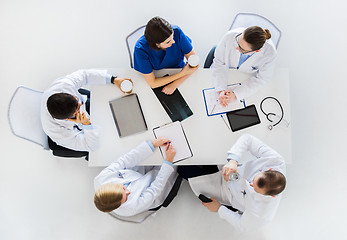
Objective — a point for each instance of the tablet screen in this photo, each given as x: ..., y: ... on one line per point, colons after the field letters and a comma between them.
x: 243, y: 118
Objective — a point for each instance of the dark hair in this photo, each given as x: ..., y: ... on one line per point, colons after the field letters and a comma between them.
x: 157, y: 31
x: 62, y: 105
x: 272, y: 181
x: 256, y: 36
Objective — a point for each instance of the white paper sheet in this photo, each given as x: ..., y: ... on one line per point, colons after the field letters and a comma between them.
x: 174, y: 132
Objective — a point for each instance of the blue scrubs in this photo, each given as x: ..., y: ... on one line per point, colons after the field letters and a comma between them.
x: 146, y: 59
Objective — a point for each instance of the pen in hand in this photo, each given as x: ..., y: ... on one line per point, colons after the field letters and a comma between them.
x: 167, y: 146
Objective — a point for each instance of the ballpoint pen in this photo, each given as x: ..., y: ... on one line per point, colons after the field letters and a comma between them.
x: 214, y: 106
x: 225, y: 122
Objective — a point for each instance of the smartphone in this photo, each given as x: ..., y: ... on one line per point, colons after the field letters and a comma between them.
x: 203, y: 198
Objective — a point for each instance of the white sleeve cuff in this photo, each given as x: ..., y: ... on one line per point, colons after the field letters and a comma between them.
x: 88, y: 127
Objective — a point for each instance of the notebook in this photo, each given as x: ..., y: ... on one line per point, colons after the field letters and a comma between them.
x: 175, y: 133
x: 128, y: 116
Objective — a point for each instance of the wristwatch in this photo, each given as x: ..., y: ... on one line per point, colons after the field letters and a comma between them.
x: 112, y: 79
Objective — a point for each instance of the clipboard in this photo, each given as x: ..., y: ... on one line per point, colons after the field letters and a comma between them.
x: 214, y: 108
x: 174, y: 132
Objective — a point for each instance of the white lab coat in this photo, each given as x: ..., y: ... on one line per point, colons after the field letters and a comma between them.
x: 63, y: 132
x: 261, y: 65
x: 149, y: 185
x: 257, y: 209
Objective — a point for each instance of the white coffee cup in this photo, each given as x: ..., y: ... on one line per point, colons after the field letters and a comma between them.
x: 193, y: 60
x: 126, y: 86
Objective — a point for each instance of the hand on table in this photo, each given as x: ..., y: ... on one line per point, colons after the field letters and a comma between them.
x: 212, y: 206
x: 226, y: 97
x: 228, y: 168
x: 169, y: 89
x: 80, y: 118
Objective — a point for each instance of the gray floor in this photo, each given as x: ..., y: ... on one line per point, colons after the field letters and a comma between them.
x: 43, y: 197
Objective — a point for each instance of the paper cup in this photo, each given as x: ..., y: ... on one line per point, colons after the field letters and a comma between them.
x: 193, y: 60
x: 126, y: 86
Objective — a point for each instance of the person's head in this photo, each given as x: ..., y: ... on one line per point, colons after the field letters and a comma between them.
x: 110, y: 196
x: 252, y: 39
x: 63, y: 105
x: 159, y: 33
x: 269, y: 182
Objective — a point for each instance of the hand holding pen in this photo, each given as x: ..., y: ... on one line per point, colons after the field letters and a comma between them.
x: 170, y: 152
x: 160, y: 142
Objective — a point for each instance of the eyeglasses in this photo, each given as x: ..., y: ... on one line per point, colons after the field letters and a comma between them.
x: 238, y: 44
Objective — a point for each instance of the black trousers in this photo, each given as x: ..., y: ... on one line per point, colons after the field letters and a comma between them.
x: 61, y: 151
x: 191, y: 171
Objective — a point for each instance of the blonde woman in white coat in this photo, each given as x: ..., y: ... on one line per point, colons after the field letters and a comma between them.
x: 248, y: 50
x: 127, y: 189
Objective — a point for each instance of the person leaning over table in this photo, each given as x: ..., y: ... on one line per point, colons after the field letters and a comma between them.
x: 163, y: 46
x: 63, y: 110
x: 249, y: 50
x: 128, y: 189
x: 252, y: 201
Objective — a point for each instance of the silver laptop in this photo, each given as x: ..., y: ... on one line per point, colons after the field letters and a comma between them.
x: 128, y: 115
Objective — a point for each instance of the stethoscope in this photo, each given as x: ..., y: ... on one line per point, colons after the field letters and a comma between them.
x: 271, y: 126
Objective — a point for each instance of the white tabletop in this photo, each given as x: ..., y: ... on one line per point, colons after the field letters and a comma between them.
x: 209, y: 137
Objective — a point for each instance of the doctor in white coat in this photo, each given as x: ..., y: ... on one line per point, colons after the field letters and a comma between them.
x: 248, y: 50
x: 126, y: 189
x: 63, y: 113
x: 256, y: 195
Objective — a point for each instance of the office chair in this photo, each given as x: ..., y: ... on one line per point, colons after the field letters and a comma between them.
x: 139, y: 218
x: 24, y: 115
x: 131, y: 40
x: 209, y: 58
x: 247, y: 20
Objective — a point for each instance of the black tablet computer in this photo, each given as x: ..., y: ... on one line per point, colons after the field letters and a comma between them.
x: 243, y: 118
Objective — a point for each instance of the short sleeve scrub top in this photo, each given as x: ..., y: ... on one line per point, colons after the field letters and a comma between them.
x: 146, y: 59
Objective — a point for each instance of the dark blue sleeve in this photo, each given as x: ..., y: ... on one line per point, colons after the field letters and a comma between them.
x: 141, y: 60
x: 185, y: 41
